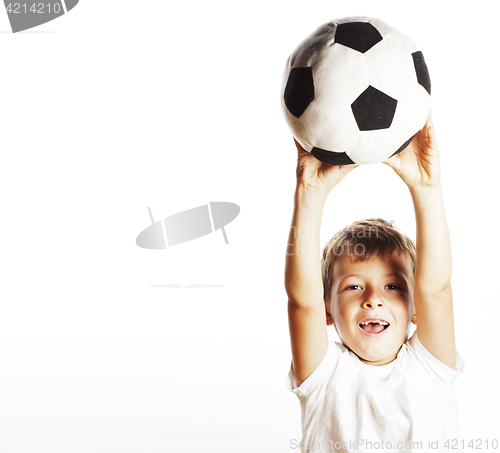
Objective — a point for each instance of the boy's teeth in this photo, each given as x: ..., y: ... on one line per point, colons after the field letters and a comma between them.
x: 383, y: 323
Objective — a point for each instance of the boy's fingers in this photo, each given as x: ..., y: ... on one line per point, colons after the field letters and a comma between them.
x: 394, y: 162
x: 430, y: 132
x: 390, y: 161
x: 429, y: 118
x: 345, y: 169
x: 300, y: 150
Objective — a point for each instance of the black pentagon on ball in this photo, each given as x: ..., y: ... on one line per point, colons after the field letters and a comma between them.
x: 360, y: 36
x: 299, y: 90
x: 422, y: 71
x: 331, y: 157
x: 373, y: 110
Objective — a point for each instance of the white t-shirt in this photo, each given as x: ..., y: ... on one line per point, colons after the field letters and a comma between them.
x: 404, y: 406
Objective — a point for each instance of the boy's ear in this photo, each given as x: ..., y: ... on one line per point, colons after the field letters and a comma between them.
x: 329, y: 319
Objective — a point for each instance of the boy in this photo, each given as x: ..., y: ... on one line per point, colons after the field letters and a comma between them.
x: 378, y: 389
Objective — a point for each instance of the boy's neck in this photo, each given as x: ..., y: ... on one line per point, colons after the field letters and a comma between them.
x: 381, y: 362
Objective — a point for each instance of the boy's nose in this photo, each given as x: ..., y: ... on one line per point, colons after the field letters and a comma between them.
x: 373, y: 304
x: 373, y: 300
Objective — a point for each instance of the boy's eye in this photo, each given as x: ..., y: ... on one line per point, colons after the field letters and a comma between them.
x: 354, y: 287
x: 393, y: 287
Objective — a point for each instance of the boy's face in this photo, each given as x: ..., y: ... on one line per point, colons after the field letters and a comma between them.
x: 378, y: 290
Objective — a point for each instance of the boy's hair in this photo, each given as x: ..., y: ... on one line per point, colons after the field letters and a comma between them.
x: 361, y: 240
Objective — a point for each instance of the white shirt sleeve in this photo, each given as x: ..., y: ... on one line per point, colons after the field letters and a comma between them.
x: 443, y: 371
x: 319, y: 376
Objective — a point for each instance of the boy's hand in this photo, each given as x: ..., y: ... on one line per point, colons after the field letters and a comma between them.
x: 312, y: 173
x: 418, y: 165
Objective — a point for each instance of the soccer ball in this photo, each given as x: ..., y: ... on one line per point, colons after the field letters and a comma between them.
x: 356, y: 91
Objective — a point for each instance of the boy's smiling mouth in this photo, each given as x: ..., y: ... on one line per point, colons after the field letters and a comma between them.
x: 373, y: 327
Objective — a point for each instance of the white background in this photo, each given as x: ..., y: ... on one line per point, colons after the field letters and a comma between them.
x: 121, y: 105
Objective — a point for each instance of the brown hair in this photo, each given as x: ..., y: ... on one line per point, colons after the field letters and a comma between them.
x: 361, y: 240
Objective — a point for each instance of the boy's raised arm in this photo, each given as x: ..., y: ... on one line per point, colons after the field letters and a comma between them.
x: 419, y: 168
x: 303, y: 281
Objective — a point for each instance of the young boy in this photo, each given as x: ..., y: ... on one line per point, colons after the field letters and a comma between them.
x: 378, y: 389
